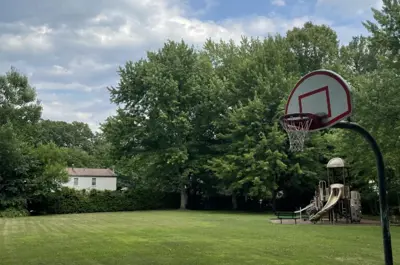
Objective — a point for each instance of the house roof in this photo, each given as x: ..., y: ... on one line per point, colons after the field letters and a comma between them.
x: 89, y: 172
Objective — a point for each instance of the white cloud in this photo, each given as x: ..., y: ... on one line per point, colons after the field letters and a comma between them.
x: 91, y: 112
x: 34, y: 39
x: 72, y: 52
x: 278, y: 2
x: 59, y: 70
x: 66, y: 86
x: 262, y: 25
x: 81, y: 63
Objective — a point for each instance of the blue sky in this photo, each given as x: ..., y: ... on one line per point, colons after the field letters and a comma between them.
x: 71, y: 51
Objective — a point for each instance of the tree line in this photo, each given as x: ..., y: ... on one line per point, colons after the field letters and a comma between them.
x: 203, y: 123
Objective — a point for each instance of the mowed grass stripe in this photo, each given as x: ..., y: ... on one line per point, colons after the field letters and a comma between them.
x: 7, y: 250
x: 44, y: 227
x: 176, y: 237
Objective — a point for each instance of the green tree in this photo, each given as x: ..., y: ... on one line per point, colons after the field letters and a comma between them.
x: 18, y: 109
x: 103, y: 151
x: 26, y: 171
x: 373, y: 65
x: 314, y: 46
x: 48, y: 169
x: 252, y: 67
x: 18, y: 102
x: 164, y: 113
x: 76, y: 157
x: 63, y: 134
x: 386, y: 31
x: 359, y: 56
x: 255, y: 158
x: 15, y: 165
x: 267, y: 68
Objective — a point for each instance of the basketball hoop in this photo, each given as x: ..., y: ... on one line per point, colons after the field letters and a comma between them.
x: 297, y: 126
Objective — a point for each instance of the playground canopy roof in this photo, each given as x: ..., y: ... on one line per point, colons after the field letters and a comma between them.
x: 335, y: 163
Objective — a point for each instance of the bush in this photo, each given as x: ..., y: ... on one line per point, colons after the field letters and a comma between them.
x: 13, y: 212
x: 69, y: 200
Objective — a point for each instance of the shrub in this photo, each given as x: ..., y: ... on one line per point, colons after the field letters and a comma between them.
x: 13, y: 212
x: 69, y: 200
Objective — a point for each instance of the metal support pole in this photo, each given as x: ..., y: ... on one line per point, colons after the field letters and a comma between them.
x: 383, y: 201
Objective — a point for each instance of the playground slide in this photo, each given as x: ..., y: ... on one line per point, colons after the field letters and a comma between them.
x: 303, y: 209
x: 332, y: 200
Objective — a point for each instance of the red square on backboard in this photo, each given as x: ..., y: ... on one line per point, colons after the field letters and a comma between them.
x: 323, y: 95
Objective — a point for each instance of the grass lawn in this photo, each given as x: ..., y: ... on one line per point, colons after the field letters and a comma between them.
x: 175, y: 237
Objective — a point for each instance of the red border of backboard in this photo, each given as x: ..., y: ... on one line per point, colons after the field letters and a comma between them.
x: 339, y: 80
x: 319, y: 90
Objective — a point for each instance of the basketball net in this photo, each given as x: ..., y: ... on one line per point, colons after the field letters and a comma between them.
x: 297, y: 130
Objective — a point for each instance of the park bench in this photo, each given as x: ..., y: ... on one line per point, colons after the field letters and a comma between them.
x: 288, y: 216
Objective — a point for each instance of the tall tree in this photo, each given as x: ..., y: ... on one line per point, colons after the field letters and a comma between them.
x: 373, y: 64
x: 386, y: 31
x: 102, y: 151
x: 314, y: 46
x: 48, y: 169
x: 255, y: 159
x: 18, y: 103
x: 15, y: 165
x: 359, y: 56
x: 24, y: 171
x: 63, y: 134
x: 164, y: 113
x: 18, y: 109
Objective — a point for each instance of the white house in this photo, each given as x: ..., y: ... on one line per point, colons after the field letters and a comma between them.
x: 91, y: 178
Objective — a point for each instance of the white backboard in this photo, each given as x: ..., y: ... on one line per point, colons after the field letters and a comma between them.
x: 321, y: 92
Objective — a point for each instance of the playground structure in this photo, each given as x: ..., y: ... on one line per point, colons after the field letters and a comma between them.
x: 334, y: 199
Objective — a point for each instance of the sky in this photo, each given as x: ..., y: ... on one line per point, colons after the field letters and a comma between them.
x: 71, y: 50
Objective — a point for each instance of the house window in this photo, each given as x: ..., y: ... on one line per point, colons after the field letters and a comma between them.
x: 93, y: 181
x: 75, y: 181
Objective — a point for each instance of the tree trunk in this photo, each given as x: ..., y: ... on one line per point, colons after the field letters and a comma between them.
x: 274, y: 201
x: 371, y: 207
x: 376, y: 207
x: 184, y: 198
x: 234, y: 202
